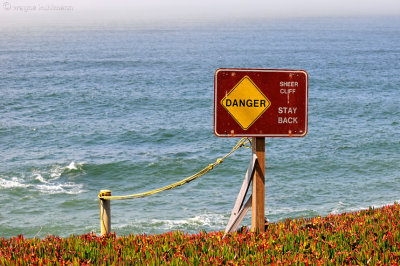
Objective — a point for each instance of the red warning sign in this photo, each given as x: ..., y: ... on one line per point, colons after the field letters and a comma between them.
x: 260, y: 103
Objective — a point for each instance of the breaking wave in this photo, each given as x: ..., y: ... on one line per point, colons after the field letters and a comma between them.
x: 46, y: 181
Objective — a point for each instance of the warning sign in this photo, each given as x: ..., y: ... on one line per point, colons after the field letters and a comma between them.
x: 260, y: 102
x: 245, y: 102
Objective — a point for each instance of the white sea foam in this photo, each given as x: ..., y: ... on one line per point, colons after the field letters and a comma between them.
x: 344, y: 208
x: 339, y: 208
x: 13, y: 183
x: 377, y: 205
x: 196, y: 223
x: 40, y: 178
x: 207, y: 220
x: 198, y: 220
x: 57, y: 170
x: 56, y: 186
x: 73, y: 166
x: 60, y: 188
x: 46, y: 181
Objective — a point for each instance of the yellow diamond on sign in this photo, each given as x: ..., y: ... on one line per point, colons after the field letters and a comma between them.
x: 245, y: 102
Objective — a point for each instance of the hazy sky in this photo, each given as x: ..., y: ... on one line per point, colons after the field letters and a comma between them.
x: 16, y: 12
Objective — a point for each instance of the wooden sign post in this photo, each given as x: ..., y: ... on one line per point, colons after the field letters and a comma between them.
x: 258, y: 103
x: 258, y: 190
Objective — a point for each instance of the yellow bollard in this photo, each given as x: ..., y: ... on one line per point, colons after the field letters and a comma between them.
x: 105, y: 212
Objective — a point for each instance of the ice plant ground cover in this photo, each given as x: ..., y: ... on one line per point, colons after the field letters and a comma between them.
x: 364, y: 237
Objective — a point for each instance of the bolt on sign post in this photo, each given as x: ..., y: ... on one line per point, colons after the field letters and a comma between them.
x: 260, y: 103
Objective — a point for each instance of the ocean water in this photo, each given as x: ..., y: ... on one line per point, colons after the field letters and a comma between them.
x: 130, y: 109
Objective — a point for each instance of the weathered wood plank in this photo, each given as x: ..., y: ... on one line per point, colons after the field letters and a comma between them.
x: 258, y: 191
x: 243, y: 191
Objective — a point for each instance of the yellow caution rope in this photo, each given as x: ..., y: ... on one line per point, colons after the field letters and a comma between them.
x: 242, y: 143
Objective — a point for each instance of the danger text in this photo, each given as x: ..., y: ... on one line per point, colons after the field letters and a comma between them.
x: 245, y: 103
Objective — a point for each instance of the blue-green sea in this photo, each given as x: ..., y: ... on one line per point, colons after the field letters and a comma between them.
x: 130, y: 109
